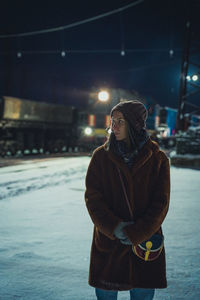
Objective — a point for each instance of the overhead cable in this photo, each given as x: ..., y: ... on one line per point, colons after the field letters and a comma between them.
x: 50, y: 30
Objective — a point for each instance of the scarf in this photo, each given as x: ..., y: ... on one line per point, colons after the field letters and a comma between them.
x: 137, y: 142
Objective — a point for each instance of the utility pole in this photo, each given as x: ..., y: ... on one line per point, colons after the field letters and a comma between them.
x: 183, y: 79
x: 187, y: 86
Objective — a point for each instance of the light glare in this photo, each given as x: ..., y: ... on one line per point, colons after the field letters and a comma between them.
x: 103, y: 96
x: 88, y: 131
x: 195, y: 77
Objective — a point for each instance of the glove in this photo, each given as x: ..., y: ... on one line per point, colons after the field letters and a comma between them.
x: 126, y: 241
x: 118, y: 232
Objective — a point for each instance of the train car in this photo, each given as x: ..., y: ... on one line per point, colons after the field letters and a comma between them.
x: 28, y: 126
x: 92, y: 130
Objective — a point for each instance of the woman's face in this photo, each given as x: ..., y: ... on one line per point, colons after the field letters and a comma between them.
x: 118, y: 126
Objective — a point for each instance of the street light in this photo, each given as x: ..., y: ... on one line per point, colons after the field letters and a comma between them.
x: 88, y: 131
x: 171, y: 53
x: 103, y: 96
x: 192, y: 77
x: 188, y: 77
x: 195, y: 77
x: 19, y: 54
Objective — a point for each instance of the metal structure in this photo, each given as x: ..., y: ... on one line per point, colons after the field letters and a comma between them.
x: 191, y: 47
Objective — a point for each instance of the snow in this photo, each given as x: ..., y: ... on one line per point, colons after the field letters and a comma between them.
x: 46, y: 233
x: 18, y: 179
x: 191, y: 131
x: 185, y: 156
x: 195, y: 128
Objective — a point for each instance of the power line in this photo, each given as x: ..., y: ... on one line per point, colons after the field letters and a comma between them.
x: 93, y: 51
x: 115, y: 11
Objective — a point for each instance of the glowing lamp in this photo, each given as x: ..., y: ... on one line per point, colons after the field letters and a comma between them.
x: 103, y: 96
x: 195, y: 77
x: 88, y: 131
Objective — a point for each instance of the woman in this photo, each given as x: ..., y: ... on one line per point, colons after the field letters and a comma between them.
x: 132, y: 160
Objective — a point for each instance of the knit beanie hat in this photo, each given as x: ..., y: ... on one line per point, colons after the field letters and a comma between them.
x: 134, y: 112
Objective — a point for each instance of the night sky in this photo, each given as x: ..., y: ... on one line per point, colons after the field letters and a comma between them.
x: 146, y: 32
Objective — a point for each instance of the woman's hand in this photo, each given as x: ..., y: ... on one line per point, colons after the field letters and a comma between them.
x: 119, y: 233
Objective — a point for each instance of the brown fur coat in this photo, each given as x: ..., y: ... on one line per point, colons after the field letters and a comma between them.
x: 113, y: 266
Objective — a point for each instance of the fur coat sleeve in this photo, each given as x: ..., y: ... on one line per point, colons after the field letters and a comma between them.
x: 101, y: 215
x: 151, y: 221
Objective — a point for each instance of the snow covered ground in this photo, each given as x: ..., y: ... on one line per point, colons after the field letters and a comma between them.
x: 45, y: 233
